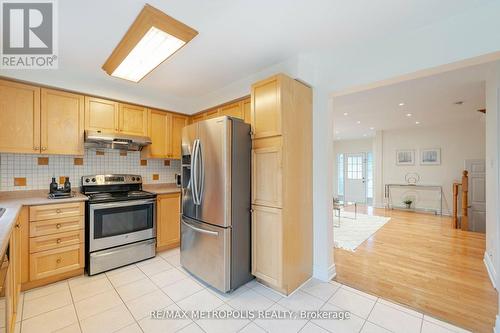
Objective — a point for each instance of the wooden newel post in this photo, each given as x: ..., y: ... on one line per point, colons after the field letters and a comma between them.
x: 465, y: 200
x: 455, y: 205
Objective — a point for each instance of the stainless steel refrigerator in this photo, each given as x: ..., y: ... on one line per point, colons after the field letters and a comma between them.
x: 215, y: 222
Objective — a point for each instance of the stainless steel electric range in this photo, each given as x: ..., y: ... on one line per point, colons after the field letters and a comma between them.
x: 120, y: 222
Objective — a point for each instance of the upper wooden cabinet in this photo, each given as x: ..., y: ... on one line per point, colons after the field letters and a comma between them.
x: 62, y: 122
x: 113, y: 117
x: 266, y: 106
x: 101, y: 115
x: 246, y: 106
x: 177, y: 124
x: 19, y: 118
x: 165, y: 130
x: 198, y: 117
x: 133, y: 119
x: 232, y: 110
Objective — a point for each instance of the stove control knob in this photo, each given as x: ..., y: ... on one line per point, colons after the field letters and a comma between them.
x: 93, y: 180
x: 87, y: 180
x: 133, y: 179
x: 138, y: 178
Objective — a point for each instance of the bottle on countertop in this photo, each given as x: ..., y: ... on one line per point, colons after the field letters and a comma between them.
x: 67, y: 185
x: 53, y: 186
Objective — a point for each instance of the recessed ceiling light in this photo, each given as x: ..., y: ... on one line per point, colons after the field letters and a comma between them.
x: 408, y: 114
x: 151, y: 39
x: 372, y: 128
x: 358, y: 122
x: 417, y: 122
x: 345, y: 113
x: 401, y: 104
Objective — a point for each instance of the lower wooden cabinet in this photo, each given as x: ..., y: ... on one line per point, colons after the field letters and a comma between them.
x: 267, y: 245
x: 56, y: 261
x: 168, y: 210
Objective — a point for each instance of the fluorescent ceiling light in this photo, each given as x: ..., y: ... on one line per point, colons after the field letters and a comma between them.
x: 154, y: 48
x: 151, y: 39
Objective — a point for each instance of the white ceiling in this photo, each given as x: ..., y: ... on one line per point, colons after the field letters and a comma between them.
x: 430, y: 101
x: 236, y: 39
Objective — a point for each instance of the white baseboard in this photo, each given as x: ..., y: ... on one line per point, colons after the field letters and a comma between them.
x: 490, y: 268
x: 324, y: 274
x: 496, y: 329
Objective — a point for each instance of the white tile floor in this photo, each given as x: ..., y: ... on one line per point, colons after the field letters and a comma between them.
x: 121, y: 301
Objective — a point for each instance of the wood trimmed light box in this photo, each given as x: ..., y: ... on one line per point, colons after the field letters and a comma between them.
x: 151, y: 39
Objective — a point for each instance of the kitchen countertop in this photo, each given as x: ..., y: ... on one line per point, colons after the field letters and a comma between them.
x: 163, y: 188
x: 13, y: 201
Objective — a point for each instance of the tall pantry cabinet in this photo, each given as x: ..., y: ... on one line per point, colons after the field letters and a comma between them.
x: 282, y: 234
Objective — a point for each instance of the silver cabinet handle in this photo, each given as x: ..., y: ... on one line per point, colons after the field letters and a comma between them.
x: 201, y: 172
x: 203, y: 231
x: 194, y: 171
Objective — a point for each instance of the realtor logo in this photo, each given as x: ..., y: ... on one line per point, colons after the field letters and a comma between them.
x: 28, y: 34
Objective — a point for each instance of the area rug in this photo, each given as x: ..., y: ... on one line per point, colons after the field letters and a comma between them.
x: 353, y: 232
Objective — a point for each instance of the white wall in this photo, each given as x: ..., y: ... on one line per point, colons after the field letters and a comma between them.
x: 346, y: 147
x: 491, y: 256
x: 457, y: 141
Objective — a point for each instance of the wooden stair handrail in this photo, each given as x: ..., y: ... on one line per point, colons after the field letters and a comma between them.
x: 465, y: 202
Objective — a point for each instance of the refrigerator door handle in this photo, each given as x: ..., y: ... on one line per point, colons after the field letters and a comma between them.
x: 202, y: 171
x: 194, y: 171
x: 203, y: 231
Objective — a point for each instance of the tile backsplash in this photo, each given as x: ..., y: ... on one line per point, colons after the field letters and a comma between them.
x: 38, y: 176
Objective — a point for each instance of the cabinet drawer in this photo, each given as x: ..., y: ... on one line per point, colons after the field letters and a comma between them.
x: 55, y: 241
x: 47, y: 212
x: 53, y: 262
x: 55, y: 226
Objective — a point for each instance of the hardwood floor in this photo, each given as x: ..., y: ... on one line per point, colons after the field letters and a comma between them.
x: 420, y: 261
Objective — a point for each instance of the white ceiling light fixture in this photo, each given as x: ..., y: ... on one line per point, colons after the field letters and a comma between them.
x: 417, y: 123
x: 346, y: 114
x: 402, y: 104
x: 372, y: 128
x: 358, y: 122
x: 151, y: 39
x: 409, y: 115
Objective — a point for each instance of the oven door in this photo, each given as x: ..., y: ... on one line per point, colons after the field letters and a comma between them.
x: 118, y: 223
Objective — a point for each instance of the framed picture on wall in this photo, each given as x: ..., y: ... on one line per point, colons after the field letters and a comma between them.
x: 405, y: 157
x: 430, y: 156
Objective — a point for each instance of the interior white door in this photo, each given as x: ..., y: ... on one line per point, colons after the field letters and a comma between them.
x: 355, y: 177
x: 477, y: 195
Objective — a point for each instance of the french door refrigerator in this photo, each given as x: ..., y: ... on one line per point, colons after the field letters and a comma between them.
x: 215, y: 221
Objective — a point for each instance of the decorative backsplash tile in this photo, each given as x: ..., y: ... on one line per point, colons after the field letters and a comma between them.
x: 39, y: 176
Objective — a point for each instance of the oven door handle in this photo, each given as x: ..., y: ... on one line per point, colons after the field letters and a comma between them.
x: 122, y: 204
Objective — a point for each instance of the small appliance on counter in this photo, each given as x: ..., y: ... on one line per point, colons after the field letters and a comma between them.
x: 60, y: 192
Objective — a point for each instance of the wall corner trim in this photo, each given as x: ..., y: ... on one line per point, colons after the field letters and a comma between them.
x: 493, y: 278
x: 325, y: 275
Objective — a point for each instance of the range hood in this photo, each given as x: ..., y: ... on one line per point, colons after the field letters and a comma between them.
x: 96, y: 139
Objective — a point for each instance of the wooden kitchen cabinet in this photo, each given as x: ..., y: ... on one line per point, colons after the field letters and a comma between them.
x: 159, y: 124
x: 133, y: 120
x: 19, y: 118
x: 198, y: 117
x: 101, y: 115
x: 267, y: 244
x: 177, y: 124
x: 232, y: 110
x: 168, y: 209
x: 266, y: 106
x: 246, y: 106
x: 281, y: 110
x: 62, y: 122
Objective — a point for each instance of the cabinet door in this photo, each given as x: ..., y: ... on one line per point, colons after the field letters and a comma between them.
x: 19, y: 118
x: 101, y: 115
x: 232, y: 110
x: 266, y: 108
x: 133, y: 119
x: 267, y: 245
x: 168, y: 221
x: 246, y: 105
x: 158, y: 126
x: 267, y: 176
x: 178, y: 122
x: 62, y: 122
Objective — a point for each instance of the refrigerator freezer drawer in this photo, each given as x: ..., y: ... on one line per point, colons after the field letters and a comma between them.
x: 205, y: 252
